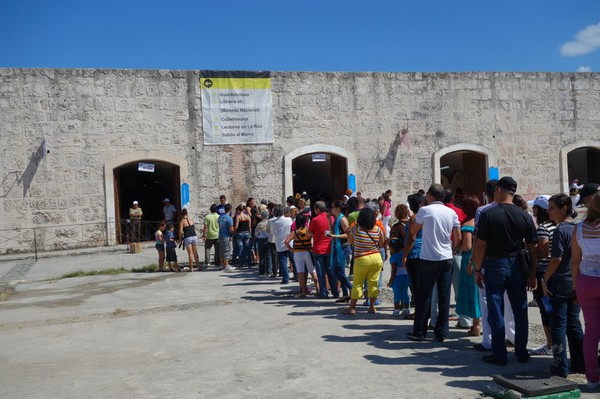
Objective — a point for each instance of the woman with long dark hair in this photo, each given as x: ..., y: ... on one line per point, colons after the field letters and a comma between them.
x: 557, y: 283
x: 187, y: 230
x: 243, y: 229
x: 367, y: 239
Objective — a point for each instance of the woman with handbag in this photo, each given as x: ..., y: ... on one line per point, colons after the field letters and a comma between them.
x: 367, y: 239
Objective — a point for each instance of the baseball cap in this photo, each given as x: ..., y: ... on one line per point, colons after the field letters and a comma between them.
x: 587, y: 190
x: 507, y: 183
x: 541, y: 201
x: 166, y: 200
x: 135, y: 202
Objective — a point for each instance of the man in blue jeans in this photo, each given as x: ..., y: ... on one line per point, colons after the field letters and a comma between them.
x: 501, y: 232
x: 439, y: 223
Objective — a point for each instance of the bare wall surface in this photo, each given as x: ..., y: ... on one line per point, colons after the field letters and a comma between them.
x: 90, y: 117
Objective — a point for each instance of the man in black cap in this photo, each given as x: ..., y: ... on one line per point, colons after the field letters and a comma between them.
x: 501, y: 231
x: 586, y: 193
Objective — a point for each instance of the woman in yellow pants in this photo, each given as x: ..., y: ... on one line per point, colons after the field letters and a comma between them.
x: 367, y: 238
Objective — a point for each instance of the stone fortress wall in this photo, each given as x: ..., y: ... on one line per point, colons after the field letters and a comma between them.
x: 93, y: 120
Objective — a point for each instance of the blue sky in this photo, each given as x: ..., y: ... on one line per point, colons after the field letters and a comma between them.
x: 416, y: 35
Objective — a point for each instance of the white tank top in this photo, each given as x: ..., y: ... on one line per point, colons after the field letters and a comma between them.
x: 588, y: 238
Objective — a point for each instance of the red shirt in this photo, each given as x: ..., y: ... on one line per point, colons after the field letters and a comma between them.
x: 318, y: 226
x: 459, y: 212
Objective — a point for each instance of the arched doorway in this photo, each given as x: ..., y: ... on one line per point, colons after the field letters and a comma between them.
x: 148, y: 177
x: 148, y: 182
x: 584, y: 164
x: 463, y: 168
x: 319, y: 169
x: 323, y: 176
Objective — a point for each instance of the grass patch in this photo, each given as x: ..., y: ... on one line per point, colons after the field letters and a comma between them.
x: 81, y: 273
x: 115, y: 270
x: 145, y: 269
x: 6, y: 291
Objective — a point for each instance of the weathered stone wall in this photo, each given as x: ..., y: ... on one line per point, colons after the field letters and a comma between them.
x: 89, y: 117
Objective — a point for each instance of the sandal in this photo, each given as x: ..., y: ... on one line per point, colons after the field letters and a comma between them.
x: 349, y: 311
x: 343, y: 299
x: 474, y: 332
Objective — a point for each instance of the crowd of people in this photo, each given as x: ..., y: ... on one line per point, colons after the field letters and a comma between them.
x: 490, y: 250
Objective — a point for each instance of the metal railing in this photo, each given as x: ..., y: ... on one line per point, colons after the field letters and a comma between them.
x: 36, y: 240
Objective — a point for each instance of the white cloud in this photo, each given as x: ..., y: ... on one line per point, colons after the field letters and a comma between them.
x: 586, y: 41
x: 586, y: 68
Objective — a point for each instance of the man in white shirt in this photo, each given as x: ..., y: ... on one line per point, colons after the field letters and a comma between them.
x: 168, y: 211
x: 279, y: 226
x: 439, y: 224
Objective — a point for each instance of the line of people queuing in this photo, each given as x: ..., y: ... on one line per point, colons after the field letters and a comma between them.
x: 490, y: 253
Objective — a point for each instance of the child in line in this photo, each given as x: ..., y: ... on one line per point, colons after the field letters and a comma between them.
x: 399, y: 279
x: 171, y: 245
x: 160, y: 245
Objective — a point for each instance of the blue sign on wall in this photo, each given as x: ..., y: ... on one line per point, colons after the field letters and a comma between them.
x: 185, y: 196
x: 494, y: 174
x: 352, y: 182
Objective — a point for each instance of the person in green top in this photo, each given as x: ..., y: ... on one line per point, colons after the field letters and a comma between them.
x: 210, y: 235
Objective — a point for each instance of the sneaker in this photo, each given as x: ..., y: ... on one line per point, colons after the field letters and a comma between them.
x: 405, y: 312
x: 229, y: 269
x: 396, y: 313
x: 541, y: 351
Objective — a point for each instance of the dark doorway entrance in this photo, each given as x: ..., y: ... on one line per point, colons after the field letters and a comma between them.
x: 323, y: 176
x: 464, y: 172
x: 149, y: 189
x: 584, y: 164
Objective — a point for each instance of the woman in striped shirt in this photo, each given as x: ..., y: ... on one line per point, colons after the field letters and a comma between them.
x: 367, y: 239
x: 302, y: 250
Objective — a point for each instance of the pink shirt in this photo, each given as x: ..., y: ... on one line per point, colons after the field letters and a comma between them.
x: 388, y: 208
x: 318, y: 226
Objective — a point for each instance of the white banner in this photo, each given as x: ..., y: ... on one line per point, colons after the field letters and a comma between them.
x: 236, y: 107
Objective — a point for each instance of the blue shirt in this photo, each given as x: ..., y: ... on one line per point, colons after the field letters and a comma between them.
x: 225, y: 222
x: 415, y: 252
x: 561, y: 248
x: 170, y: 239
